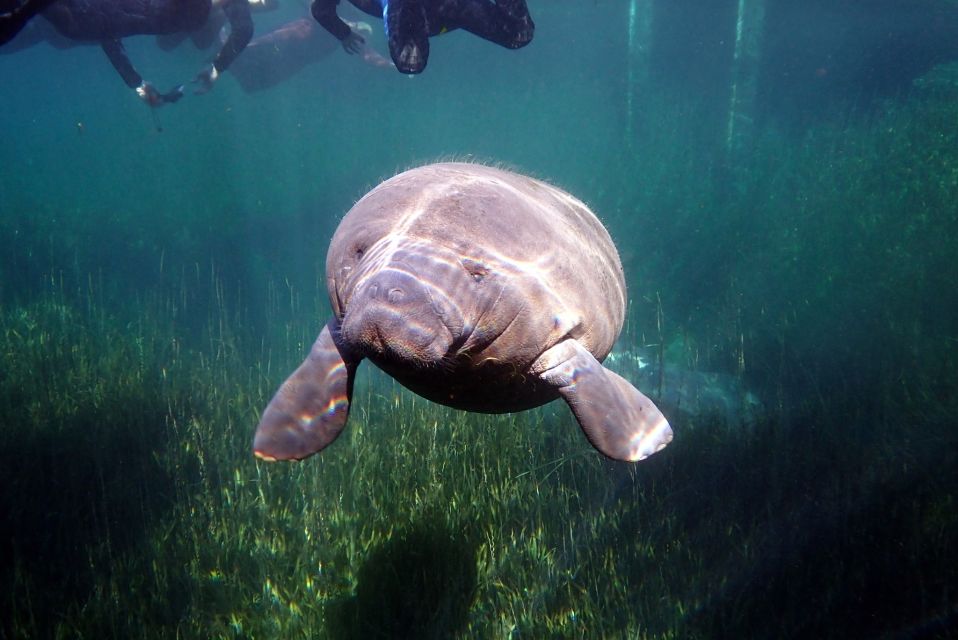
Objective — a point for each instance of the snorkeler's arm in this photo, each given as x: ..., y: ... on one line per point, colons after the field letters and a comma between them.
x: 121, y: 62
x: 241, y: 32
x: 147, y: 93
x: 325, y: 13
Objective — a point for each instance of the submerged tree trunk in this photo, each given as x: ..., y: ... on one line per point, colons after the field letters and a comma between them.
x: 640, y: 36
x: 749, y: 24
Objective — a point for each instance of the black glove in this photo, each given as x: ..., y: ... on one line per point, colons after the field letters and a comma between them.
x: 205, y: 79
x: 172, y: 95
x: 148, y: 94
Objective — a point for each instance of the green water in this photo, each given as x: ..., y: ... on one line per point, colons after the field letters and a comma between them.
x: 157, y: 286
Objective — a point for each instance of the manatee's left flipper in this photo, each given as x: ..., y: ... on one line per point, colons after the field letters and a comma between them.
x: 617, y: 419
x: 311, y: 407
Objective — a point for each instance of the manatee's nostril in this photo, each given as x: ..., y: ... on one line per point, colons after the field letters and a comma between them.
x: 395, y: 295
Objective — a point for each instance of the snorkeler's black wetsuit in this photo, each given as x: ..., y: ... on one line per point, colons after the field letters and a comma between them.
x: 15, y: 14
x: 107, y: 21
x: 409, y: 24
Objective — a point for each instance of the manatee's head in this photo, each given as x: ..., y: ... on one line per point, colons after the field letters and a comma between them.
x: 398, y: 314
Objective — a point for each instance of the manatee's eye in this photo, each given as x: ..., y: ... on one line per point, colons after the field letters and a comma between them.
x: 476, y: 270
x: 358, y: 251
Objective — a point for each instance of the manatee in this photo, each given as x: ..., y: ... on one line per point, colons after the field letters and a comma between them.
x: 477, y: 288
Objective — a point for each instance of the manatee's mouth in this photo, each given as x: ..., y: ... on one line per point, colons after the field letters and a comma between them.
x: 374, y: 335
x: 416, y: 330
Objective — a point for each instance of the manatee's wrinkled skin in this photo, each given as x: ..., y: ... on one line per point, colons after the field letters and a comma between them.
x: 477, y: 288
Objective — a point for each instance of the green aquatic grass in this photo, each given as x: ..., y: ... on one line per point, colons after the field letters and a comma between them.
x: 132, y: 458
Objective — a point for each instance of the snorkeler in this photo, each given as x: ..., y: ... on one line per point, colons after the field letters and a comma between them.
x: 15, y: 14
x: 108, y: 21
x: 410, y: 23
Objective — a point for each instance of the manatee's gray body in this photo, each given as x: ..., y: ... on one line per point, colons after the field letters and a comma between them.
x: 476, y: 288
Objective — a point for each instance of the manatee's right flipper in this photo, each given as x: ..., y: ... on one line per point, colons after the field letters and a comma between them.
x: 617, y: 419
x: 311, y: 407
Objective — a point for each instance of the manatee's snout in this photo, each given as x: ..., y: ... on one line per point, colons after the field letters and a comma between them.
x: 397, y: 315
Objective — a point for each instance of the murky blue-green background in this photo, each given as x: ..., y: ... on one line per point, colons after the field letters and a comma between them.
x: 803, y: 254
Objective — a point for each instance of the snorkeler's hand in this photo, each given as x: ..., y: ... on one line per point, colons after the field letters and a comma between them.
x: 205, y: 79
x: 148, y: 94
x: 172, y: 95
x: 353, y: 43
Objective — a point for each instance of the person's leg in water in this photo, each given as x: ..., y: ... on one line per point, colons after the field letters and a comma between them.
x: 505, y: 22
x: 407, y: 33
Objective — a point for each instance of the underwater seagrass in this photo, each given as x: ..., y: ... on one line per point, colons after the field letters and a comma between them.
x: 477, y: 288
